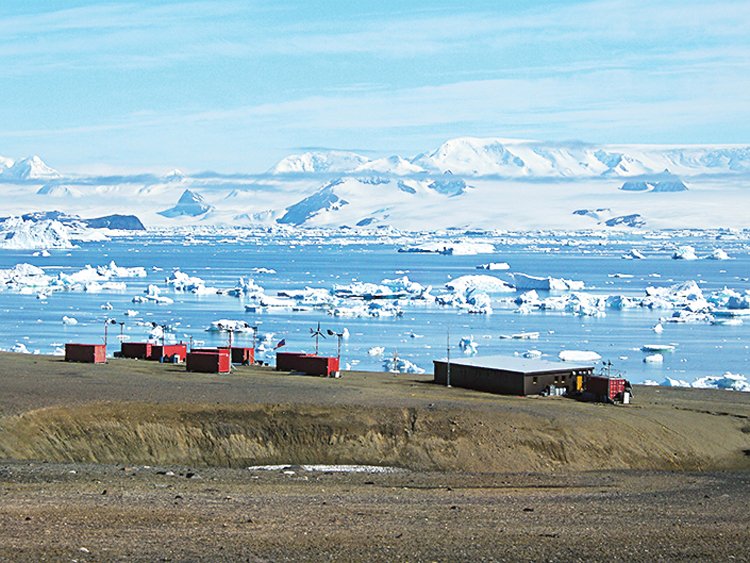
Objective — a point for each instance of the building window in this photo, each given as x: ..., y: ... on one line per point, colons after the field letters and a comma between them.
x: 533, y: 381
x: 562, y: 379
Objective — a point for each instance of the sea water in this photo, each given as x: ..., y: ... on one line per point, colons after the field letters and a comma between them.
x: 423, y: 333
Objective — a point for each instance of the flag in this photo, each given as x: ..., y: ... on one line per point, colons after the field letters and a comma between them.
x: 281, y: 343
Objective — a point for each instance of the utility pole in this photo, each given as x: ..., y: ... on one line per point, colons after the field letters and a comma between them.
x: 448, y: 360
x: 106, y: 326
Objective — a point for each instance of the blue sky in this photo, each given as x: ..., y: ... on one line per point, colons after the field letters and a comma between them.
x: 235, y: 85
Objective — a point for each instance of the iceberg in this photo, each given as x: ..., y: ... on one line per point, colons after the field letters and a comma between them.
x: 401, y: 365
x: 654, y: 359
x: 578, y: 356
x: 451, y: 248
x: 483, y: 283
x: 634, y: 254
x: 685, y: 253
x: 729, y: 381
x: 227, y: 325
x: 525, y: 282
x: 494, y: 266
x: 718, y: 254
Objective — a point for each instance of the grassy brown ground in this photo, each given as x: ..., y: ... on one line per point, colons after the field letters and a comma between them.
x: 88, y: 449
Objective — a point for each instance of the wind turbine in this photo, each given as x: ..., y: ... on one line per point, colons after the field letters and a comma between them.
x: 339, y: 336
x: 316, y: 333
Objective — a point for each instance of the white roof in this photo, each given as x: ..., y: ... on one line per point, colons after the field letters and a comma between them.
x: 512, y: 363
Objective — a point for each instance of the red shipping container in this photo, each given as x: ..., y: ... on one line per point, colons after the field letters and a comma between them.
x: 137, y: 350
x: 287, y: 361
x: 168, y: 351
x: 243, y: 356
x: 208, y: 361
x: 605, y: 388
x: 307, y: 363
x: 86, y: 353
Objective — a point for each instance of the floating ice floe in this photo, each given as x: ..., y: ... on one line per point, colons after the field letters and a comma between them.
x: 530, y: 335
x: 532, y: 354
x: 718, y: 254
x: 669, y: 382
x: 659, y: 348
x: 579, y: 356
x: 634, y: 254
x: 20, y: 348
x: 467, y: 345
x: 153, y: 294
x: 227, y: 325
x: 264, y: 303
x: 66, y: 320
x: 482, y: 283
x: 263, y: 271
x: 376, y: 351
x: 183, y: 282
x: 731, y: 321
x: 658, y: 328
x: 19, y: 234
x: 451, y: 248
x: 400, y: 365
x: 654, y: 359
x: 685, y: 253
x: 130, y: 313
x: 525, y: 282
x: 368, y: 309
x: 107, y: 306
x: 729, y: 381
x: 494, y: 266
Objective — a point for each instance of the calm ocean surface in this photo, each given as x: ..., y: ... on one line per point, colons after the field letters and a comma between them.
x: 299, y: 261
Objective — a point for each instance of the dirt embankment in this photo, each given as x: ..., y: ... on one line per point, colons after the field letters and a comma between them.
x: 138, y: 412
x: 241, y: 435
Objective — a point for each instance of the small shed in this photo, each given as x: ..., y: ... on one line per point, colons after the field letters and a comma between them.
x: 86, y: 353
x: 606, y: 389
x: 307, y: 363
x: 136, y: 350
x: 243, y: 356
x: 168, y: 352
x: 216, y: 360
x: 509, y: 375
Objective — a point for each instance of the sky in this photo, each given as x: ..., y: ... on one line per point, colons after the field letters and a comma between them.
x: 234, y: 86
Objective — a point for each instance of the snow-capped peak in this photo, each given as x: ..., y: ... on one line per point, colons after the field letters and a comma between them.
x: 391, y: 165
x: 31, y: 168
x: 315, y: 162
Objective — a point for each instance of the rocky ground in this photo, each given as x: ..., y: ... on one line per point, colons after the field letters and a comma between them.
x: 143, y: 462
x: 65, y: 512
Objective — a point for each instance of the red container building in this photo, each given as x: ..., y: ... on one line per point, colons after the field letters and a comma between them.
x: 86, y: 353
x: 153, y: 352
x: 209, y: 361
x: 168, y: 352
x: 136, y: 350
x: 243, y: 356
x: 307, y: 363
x: 607, y: 389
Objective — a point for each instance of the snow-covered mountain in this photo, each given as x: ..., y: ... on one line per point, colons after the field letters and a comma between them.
x: 31, y: 168
x: 465, y: 182
x: 190, y: 204
x: 501, y: 157
x: 495, y: 157
x: 319, y: 162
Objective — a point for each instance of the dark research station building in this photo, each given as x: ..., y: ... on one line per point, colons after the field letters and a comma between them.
x: 508, y: 375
